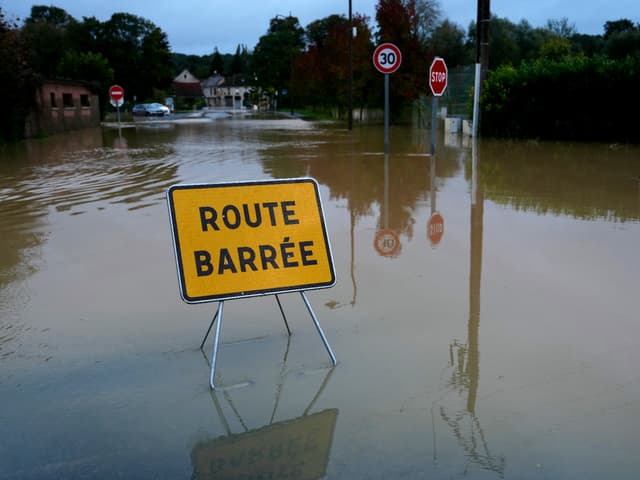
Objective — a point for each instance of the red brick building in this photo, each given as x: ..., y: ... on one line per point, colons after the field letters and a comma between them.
x: 60, y: 106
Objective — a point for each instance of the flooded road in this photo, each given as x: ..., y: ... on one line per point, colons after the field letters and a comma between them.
x: 485, y: 315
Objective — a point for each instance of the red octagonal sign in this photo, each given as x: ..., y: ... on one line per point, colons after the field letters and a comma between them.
x: 435, y: 228
x: 116, y: 92
x: 438, y: 76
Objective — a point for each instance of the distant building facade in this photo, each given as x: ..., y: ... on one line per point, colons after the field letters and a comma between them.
x: 223, y: 92
x: 186, y: 88
x: 61, y: 106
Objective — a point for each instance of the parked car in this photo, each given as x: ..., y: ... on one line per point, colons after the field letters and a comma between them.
x: 150, y: 109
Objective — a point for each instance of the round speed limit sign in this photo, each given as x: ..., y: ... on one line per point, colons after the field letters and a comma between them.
x: 387, y: 58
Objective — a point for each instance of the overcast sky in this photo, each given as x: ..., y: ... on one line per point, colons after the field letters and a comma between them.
x: 197, y: 26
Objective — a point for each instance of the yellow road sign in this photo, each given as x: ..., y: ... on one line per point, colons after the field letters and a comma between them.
x: 235, y: 240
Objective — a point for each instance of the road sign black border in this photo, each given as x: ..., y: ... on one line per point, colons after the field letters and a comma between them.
x: 250, y: 293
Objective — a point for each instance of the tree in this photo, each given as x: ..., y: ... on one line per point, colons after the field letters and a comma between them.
x: 618, y: 26
x: 276, y: 51
x: 138, y: 51
x: 18, y: 81
x: 217, y: 63
x: 398, y: 23
x: 238, y: 65
x: 448, y: 41
x: 561, y: 27
x: 321, y: 74
x: 87, y: 66
x: 428, y: 14
x: 45, y: 32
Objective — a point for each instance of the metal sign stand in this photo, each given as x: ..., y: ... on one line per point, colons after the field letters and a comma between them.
x: 216, y: 338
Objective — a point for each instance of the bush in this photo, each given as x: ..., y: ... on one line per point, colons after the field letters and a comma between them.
x: 574, y: 98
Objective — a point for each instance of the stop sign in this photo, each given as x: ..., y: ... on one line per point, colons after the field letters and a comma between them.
x: 438, y: 76
x: 116, y: 92
x: 435, y: 228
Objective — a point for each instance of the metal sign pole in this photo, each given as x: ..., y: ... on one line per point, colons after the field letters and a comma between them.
x: 434, y: 123
x: 386, y: 114
x: 216, y: 339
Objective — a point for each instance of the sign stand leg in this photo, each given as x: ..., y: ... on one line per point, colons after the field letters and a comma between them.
x: 319, y: 328
x: 209, y: 329
x: 283, y: 315
x: 216, y: 339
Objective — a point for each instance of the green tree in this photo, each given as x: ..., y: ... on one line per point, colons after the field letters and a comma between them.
x: 448, y: 41
x: 239, y: 62
x: 138, y: 51
x: 45, y: 32
x: 217, y: 63
x: 88, y: 66
x: 613, y: 27
x: 18, y: 81
x: 555, y: 48
x: 275, y: 53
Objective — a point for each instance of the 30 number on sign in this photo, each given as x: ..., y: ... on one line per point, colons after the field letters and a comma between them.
x: 388, y: 58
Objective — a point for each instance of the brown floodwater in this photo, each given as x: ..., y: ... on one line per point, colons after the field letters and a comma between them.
x: 485, y: 316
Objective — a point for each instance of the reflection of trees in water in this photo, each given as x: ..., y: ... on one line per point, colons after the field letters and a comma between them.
x: 583, y: 181
x: 353, y: 174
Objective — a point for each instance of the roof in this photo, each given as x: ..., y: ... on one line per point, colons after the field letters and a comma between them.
x: 186, y: 77
x: 213, y: 81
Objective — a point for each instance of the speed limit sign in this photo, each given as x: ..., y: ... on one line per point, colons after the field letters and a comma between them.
x: 387, y: 58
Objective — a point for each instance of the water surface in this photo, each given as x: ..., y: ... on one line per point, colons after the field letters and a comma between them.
x: 503, y: 344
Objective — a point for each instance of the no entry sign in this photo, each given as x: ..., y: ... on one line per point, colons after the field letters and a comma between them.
x: 387, y: 58
x: 116, y: 92
x: 235, y: 240
x: 438, y: 76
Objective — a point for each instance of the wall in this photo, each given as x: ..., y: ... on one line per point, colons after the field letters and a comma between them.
x: 62, y: 106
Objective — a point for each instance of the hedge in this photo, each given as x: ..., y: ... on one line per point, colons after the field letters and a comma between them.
x: 576, y: 98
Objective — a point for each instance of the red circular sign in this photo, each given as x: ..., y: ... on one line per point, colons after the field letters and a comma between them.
x: 438, y: 76
x: 116, y: 92
x: 387, y: 243
x: 435, y: 228
x: 387, y: 58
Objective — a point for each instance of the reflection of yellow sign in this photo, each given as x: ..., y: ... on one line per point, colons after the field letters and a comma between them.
x: 243, y: 239
x: 293, y: 449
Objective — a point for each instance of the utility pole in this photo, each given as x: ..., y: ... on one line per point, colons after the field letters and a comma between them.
x: 482, y: 33
x: 350, y: 106
x: 482, y: 56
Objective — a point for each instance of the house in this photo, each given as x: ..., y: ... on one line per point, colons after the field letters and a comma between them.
x: 62, y: 105
x: 230, y: 92
x: 186, y: 88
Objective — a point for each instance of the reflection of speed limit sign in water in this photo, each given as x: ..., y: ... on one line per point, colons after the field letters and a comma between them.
x: 387, y: 243
x: 387, y: 58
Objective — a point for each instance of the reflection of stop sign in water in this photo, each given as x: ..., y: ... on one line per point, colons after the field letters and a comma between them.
x: 387, y: 243
x: 435, y: 228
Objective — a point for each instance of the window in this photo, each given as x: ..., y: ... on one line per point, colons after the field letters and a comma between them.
x: 84, y: 100
x: 67, y: 100
x: 52, y: 97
